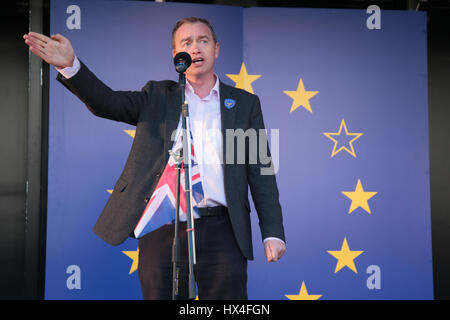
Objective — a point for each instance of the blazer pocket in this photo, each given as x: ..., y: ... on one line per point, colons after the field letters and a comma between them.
x: 121, y: 185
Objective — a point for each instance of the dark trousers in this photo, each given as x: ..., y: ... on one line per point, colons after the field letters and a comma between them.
x: 221, y: 269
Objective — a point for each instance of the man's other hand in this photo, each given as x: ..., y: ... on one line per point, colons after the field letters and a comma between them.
x: 55, y: 50
x: 274, y: 249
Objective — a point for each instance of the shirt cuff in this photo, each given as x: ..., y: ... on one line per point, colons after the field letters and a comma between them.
x: 273, y: 238
x: 69, y: 72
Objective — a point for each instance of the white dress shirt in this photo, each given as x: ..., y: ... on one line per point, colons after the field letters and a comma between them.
x: 205, y: 121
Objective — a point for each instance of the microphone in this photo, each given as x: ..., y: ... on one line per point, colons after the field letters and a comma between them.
x: 182, y: 61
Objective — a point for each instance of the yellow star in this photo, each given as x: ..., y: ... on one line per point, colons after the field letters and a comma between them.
x: 359, y: 198
x: 345, y: 257
x: 303, y: 294
x: 133, y: 255
x: 244, y: 80
x: 301, y: 97
x: 131, y: 133
x: 343, y: 126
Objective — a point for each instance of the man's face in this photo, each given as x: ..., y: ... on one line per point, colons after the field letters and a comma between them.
x: 197, y: 40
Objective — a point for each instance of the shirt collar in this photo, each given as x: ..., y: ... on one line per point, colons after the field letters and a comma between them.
x: 214, y: 90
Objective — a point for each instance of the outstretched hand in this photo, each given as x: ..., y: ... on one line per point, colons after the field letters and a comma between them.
x: 55, y: 50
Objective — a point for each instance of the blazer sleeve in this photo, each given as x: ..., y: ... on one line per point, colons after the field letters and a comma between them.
x: 262, y: 182
x: 102, y: 101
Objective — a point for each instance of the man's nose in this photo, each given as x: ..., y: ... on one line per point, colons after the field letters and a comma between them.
x: 195, y: 47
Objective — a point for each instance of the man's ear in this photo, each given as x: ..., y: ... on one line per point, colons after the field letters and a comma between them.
x: 217, y: 50
x: 173, y: 53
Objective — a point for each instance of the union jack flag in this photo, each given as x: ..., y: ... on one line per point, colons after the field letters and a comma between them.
x: 160, y: 209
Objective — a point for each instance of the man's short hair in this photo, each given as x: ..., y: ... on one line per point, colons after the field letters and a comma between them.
x: 192, y: 20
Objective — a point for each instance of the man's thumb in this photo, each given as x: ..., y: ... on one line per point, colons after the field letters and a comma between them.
x: 57, y: 37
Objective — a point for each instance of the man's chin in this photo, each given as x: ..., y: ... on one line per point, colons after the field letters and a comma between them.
x: 197, y: 74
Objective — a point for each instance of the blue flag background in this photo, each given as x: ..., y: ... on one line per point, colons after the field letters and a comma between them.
x: 346, y: 106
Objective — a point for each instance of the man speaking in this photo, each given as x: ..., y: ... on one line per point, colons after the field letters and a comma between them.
x: 222, y: 230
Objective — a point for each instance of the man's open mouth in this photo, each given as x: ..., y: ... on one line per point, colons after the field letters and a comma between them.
x: 197, y: 60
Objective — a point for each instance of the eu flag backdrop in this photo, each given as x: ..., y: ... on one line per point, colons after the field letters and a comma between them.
x: 345, y: 107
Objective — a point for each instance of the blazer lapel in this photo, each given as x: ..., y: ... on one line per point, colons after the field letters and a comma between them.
x: 228, y: 117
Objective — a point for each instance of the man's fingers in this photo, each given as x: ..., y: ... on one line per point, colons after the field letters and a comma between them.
x: 37, y: 44
x: 268, y: 253
x: 34, y: 44
x: 271, y: 252
x: 274, y: 252
x: 40, y: 42
x: 38, y: 52
x: 39, y: 36
x: 37, y: 41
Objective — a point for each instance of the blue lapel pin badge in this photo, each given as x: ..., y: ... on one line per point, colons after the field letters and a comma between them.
x: 229, y: 103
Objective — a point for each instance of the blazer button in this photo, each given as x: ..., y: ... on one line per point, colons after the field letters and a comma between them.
x: 158, y: 175
x: 146, y: 199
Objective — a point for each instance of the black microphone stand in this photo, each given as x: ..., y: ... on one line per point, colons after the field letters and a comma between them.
x: 188, y: 191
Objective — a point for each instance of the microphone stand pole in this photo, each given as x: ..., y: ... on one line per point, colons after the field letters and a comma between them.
x: 176, y: 241
x: 187, y: 187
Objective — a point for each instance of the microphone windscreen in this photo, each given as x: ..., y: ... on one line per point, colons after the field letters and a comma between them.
x: 182, y: 61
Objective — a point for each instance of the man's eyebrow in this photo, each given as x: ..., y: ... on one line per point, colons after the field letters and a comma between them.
x: 198, y: 38
x: 186, y: 39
